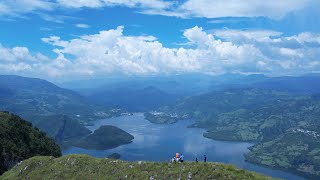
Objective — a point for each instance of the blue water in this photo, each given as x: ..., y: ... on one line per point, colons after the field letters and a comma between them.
x: 153, y: 142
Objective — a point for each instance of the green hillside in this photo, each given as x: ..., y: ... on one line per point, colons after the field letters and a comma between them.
x: 86, y: 167
x: 243, y: 114
x: 19, y: 141
x: 297, y: 149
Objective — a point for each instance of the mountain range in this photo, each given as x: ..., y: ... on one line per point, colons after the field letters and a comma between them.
x: 60, y: 112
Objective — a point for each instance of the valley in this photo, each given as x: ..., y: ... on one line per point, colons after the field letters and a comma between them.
x: 159, y: 143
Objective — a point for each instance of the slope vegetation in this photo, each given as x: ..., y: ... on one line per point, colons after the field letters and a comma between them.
x: 86, y: 167
x: 19, y: 141
x: 297, y: 150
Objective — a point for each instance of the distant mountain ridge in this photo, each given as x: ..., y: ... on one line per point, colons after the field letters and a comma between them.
x: 27, y: 96
x: 134, y: 99
x: 302, y: 84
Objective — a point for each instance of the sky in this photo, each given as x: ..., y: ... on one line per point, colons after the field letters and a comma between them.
x: 80, y: 39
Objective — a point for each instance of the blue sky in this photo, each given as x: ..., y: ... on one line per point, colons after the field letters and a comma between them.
x: 72, y: 39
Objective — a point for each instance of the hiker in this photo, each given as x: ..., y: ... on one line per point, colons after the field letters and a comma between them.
x: 196, y: 159
x: 205, y: 158
x: 177, y: 157
x: 181, y: 158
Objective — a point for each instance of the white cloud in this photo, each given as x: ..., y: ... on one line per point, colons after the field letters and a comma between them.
x: 306, y: 37
x: 111, y: 51
x: 80, y: 3
x: 19, y: 60
x: 153, y: 4
x: 20, y: 54
x: 236, y: 8
x: 17, y: 8
x: 187, y: 9
x: 85, y: 26
x: 290, y: 52
x: 236, y: 35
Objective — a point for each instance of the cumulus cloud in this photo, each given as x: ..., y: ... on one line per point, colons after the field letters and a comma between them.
x: 112, y: 51
x: 296, y: 54
x: 217, y: 52
x: 19, y: 59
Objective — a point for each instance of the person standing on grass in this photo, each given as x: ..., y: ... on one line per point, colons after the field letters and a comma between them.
x: 196, y: 159
x: 181, y: 158
x: 205, y: 158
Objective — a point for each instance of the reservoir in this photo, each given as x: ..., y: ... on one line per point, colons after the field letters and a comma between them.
x: 160, y: 142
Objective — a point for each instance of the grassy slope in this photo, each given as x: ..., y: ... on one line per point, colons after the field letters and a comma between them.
x: 86, y: 167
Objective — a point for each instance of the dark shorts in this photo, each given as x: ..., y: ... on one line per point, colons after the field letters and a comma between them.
x: 181, y: 160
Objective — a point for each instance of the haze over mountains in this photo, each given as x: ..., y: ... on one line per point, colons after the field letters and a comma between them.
x: 147, y: 93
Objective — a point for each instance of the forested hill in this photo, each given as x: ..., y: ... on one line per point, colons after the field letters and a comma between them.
x: 245, y: 114
x: 19, y: 141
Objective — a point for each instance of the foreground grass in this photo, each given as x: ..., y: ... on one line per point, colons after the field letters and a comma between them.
x: 87, y: 167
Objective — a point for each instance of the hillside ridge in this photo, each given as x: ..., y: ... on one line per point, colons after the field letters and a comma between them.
x: 80, y: 166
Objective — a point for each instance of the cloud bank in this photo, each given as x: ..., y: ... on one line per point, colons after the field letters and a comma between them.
x: 213, y: 52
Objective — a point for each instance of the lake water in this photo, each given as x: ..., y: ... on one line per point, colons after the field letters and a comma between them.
x: 154, y: 142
